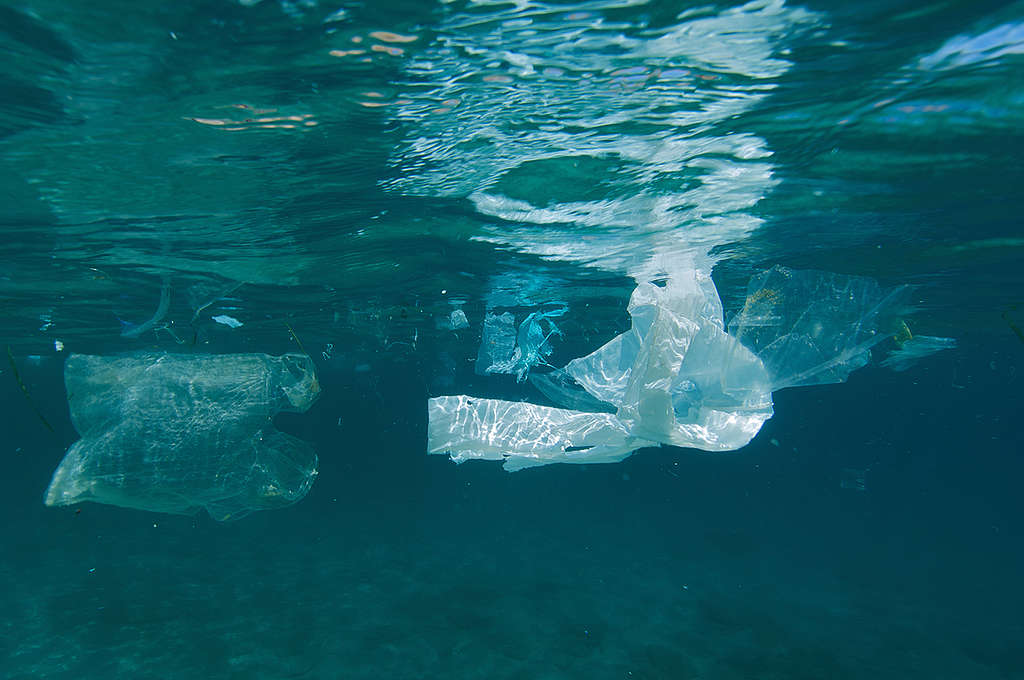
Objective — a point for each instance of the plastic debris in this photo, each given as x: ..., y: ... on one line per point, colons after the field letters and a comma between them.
x: 560, y: 388
x: 531, y: 347
x: 814, y: 328
x: 676, y: 377
x: 182, y: 433
x: 497, y: 341
x: 914, y: 349
x: 525, y: 435
x: 458, y: 319
x: 130, y: 330
x: 453, y: 322
x: 227, y: 321
x: 203, y: 295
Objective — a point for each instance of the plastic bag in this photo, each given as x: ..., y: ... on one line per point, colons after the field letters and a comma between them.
x: 814, y: 328
x: 677, y: 377
x: 182, y: 433
x: 529, y: 347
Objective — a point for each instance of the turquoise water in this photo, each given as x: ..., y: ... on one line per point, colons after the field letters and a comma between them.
x: 340, y: 178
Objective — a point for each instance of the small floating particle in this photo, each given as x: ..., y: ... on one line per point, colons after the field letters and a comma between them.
x: 345, y: 53
x: 339, y: 15
x: 497, y: 78
x: 227, y: 320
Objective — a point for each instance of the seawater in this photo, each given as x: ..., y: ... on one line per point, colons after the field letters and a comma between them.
x: 340, y: 178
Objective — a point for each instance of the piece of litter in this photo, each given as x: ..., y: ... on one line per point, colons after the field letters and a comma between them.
x: 227, y: 320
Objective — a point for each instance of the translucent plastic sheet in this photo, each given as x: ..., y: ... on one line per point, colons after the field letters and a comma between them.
x: 677, y: 377
x: 813, y: 328
x: 497, y: 341
x: 182, y: 433
x: 516, y: 354
x: 525, y: 435
x: 914, y: 349
x: 559, y: 387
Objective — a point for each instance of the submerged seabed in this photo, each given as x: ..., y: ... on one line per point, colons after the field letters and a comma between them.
x: 670, y: 564
x: 245, y: 177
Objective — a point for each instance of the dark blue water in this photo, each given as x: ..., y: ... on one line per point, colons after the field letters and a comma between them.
x: 339, y: 178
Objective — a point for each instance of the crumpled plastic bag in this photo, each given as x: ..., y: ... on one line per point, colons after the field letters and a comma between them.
x: 504, y: 351
x: 182, y: 433
x: 678, y: 377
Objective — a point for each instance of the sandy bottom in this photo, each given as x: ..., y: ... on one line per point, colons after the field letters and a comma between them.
x: 477, y: 589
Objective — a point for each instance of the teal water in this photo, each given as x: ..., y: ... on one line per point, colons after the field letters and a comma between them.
x: 339, y: 178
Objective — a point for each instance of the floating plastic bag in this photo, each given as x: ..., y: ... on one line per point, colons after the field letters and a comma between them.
x: 517, y: 354
x: 814, y: 328
x: 677, y: 377
x: 182, y: 433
